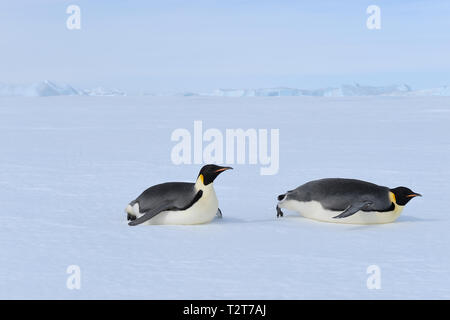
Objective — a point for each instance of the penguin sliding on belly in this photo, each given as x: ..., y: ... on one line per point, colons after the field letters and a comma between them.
x: 178, y: 202
x: 346, y: 201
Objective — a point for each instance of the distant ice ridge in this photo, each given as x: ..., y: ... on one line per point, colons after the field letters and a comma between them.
x: 100, y: 91
x: 47, y: 88
x: 358, y: 90
x: 441, y: 91
x: 342, y: 91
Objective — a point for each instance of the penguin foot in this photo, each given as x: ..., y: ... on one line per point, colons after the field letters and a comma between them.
x: 219, y: 214
x: 131, y: 217
x: 279, y: 212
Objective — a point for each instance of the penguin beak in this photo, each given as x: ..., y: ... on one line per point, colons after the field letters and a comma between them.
x: 412, y: 195
x: 223, y: 169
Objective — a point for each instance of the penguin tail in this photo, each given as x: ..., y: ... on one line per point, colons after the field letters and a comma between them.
x: 281, y: 198
x: 279, y: 212
x: 131, y: 215
x: 129, y: 209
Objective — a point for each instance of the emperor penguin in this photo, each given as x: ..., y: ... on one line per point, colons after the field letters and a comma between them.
x: 178, y: 202
x: 346, y: 201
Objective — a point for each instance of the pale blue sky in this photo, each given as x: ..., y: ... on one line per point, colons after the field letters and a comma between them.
x: 158, y: 46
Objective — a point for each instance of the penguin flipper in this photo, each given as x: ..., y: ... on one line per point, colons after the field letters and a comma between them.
x: 165, y: 205
x: 354, y: 208
x: 219, y: 213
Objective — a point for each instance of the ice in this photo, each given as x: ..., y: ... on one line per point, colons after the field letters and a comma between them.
x: 48, y: 88
x: 342, y: 91
x: 39, y: 89
x: 70, y: 164
x: 440, y: 91
x: 100, y: 91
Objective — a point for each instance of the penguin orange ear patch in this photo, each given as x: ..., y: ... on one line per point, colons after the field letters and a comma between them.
x: 201, y: 178
x: 413, y: 195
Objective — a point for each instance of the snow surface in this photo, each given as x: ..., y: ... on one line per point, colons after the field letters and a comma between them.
x: 69, y: 166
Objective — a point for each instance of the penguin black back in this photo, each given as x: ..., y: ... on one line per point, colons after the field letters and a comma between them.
x: 320, y: 199
x: 338, y: 193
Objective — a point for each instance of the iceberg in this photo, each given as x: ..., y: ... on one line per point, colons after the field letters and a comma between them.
x: 38, y: 89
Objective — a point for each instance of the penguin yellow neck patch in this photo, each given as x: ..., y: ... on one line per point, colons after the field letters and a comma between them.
x: 200, y: 177
x: 392, y: 197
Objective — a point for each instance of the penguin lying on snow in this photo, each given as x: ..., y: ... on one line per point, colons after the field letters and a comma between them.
x: 346, y: 201
x: 178, y: 202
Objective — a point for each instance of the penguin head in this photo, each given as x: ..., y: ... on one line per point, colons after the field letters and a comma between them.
x: 210, y: 172
x: 403, y: 195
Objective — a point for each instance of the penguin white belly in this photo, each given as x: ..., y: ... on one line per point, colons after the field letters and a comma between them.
x: 314, y: 210
x: 203, y: 211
